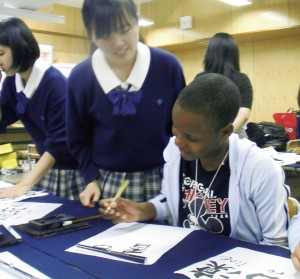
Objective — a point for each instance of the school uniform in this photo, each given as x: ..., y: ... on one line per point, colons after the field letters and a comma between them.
x: 119, y: 130
x: 40, y: 106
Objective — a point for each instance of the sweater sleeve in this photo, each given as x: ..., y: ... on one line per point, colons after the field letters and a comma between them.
x: 245, y: 87
x: 54, y: 97
x: 8, y: 114
x: 269, y: 196
x: 294, y: 231
x: 79, y: 127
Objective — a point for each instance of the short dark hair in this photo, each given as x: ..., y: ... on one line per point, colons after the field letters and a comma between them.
x: 222, y: 55
x: 16, y: 35
x: 214, y: 96
x: 103, y: 16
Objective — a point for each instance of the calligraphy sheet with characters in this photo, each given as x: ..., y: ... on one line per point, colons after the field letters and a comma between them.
x: 242, y: 263
x: 132, y: 242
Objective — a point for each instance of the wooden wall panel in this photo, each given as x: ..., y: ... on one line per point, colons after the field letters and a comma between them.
x: 191, y: 62
x: 268, y: 34
x: 69, y: 41
x: 269, y: 42
x: 276, y: 76
x: 166, y: 28
x: 272, y: 66
x: 261, y: 15
x: 212, y: 16
x: 207, y: 18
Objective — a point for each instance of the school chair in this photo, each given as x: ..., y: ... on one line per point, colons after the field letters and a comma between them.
x: 293, y: 205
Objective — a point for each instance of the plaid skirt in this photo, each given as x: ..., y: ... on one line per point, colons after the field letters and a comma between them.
x: 63, y: 183
x: 142, y: 185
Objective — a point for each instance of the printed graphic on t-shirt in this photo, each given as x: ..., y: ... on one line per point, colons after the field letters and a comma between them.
x: 204, y: 208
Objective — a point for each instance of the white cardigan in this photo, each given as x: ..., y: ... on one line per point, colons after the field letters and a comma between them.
x: 257, y: 193
x: 294, y: 232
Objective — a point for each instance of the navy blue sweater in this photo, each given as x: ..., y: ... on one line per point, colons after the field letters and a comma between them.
x: 44, y: 118
x: 99, y: 139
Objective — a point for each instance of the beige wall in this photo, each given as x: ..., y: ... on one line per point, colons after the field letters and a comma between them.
x: 68, y: 40
x: 273, y: 67
x: 268, y: 34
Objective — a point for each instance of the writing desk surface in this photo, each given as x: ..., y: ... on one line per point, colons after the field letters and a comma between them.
x: 195, y: 247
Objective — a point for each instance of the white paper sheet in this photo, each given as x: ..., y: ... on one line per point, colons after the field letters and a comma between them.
x: 146, y: 241
x: 28, y: 195
x: 15, y: 268
x: 242, y: 263
x: 282, y: 158
x: 4, y: 184
x: 21, y: 212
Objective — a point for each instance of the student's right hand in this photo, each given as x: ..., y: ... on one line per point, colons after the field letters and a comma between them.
x: 295, y: 256
x: 124, y: 210
x: 90, y: 195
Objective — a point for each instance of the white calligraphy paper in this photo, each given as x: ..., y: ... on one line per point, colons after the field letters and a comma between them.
x: 21, y: 212
x: 28, y: 195
x: 132, y: 242
x: 282, y: 158
x: 4, y: 184
x: 242, y: 263
x: 12, y: 267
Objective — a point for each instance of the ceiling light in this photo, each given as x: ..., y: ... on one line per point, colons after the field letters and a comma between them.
x: 237, y: 2
x: 23, y: 13
x: 145, y: 22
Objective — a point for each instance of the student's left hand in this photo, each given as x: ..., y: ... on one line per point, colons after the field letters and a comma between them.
x: 295, y: 256
x: 14, y: 191
x: 90, y: 195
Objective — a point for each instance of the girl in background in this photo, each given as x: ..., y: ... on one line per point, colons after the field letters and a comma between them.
x: 222, y: 57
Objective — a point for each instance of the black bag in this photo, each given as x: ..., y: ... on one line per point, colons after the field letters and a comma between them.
x: 268, y: 134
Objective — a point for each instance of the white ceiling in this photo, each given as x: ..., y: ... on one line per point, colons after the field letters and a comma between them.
x: 27, y: 4
x: 72, y: 3
x: 36, y: 4
x: 78, y: 3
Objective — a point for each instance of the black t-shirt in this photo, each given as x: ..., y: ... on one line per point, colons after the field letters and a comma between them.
x: 243, y: 82
x: 202, y: 208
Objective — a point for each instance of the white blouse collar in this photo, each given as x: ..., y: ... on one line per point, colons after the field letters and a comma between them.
x: 38, y: 70
x: 108, y: 79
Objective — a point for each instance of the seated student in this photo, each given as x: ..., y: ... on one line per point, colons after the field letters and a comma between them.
x: 294, y: 240
x: 213, y: 180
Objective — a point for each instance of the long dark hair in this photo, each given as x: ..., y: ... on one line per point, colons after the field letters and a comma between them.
x: 15, y: 34
x: 222, y: 55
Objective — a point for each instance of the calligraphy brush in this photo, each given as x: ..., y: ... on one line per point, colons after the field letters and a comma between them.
x: 118, y: 194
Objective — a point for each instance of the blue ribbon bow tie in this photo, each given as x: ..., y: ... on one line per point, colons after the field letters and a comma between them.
x: 124, y: 102
x: 22, y: 102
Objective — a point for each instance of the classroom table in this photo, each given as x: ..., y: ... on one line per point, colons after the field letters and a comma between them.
x: 48, y: 254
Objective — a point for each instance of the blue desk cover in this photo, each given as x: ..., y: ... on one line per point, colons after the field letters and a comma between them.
x: 49, y: 256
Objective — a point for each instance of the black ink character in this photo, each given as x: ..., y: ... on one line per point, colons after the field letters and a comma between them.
x: 137, y: 249
x: 210, y: 270
x: 259, y: 275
